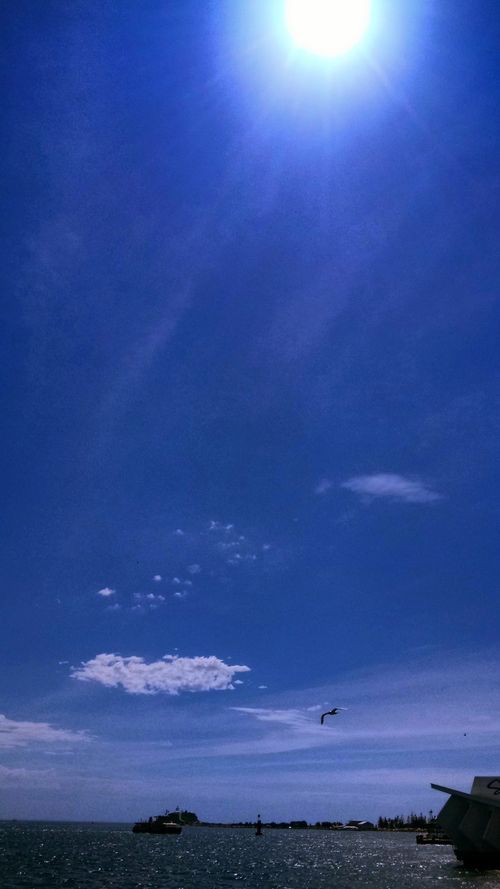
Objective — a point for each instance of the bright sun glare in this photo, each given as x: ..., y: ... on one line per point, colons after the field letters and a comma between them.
x: 327, y: 27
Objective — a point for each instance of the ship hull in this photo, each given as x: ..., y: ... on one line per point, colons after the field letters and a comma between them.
x: 157, y: 828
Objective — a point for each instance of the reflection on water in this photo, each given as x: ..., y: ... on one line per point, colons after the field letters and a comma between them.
x: 90, y: 856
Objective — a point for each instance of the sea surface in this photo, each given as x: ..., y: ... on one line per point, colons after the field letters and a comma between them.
x: 35, y: 855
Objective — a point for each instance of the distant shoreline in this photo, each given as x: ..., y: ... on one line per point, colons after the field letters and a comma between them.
x: 214, y: 825
x: 309, y: 827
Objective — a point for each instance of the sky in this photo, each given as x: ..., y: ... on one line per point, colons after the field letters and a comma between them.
x: 250, y: 410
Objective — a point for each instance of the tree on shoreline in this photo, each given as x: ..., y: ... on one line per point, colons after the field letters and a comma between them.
x: 411, y: 822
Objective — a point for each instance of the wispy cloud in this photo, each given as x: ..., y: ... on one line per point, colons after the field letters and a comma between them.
x: 424, y: 719
x: 220, y: 526
x: 29, y: 778
x: 22, y: 734
x: 212, y: 549
x: 390, y: 486
x: 235, y: 548
x: 148, y: 600
x: 323, y: 486
x: 280, y: 730
x: 289, y: 717
x: 441, y: 704
x: 171, y: 674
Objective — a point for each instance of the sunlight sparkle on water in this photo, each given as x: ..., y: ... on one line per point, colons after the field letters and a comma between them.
x: 327, y: 27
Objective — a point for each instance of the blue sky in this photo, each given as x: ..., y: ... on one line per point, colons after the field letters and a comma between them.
x: 251, y: 410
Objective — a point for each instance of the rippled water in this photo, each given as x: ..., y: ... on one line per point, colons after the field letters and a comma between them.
x: 94, y: 856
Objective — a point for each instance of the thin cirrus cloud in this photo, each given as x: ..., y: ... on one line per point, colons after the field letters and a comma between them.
x: 28, y: 778
x: 169, y: 675
x: 23, y: 734
x: 440, y: 702
x: 323, y: 486
x: 291, y: 717
x: 390, y: 486
x: 280, y: 730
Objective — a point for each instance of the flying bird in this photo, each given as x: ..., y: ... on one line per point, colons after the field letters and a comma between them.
x: 332, y: 712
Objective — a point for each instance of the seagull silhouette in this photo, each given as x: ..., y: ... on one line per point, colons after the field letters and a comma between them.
x: 332, y: 712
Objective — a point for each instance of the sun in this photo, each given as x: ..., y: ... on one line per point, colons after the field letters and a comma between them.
x: 327, y: 27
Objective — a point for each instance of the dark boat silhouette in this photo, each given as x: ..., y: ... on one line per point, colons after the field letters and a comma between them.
x: 160, y: 824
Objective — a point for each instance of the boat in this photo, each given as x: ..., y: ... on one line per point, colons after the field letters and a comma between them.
x: 433, y: 838
x: 258, y: 827
x: 472, y: 820
x: 158, y: 825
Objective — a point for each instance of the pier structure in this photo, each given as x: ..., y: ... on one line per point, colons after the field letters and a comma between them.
x: 472, y: 821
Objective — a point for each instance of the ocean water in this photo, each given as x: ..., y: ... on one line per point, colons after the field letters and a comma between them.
x: 35, y: 855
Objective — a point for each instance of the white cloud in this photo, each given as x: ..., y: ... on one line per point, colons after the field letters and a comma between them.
x: 176, y: 580
x: 106, y: 592
x: 323, y: 486
x: 149, y: 601
x: 22, y: 734
x: 194, y: 569
x: 171, y: 674
x: 179, y: 532
x: 219, y: 526
x: 157, y: 578
x: 238, y: 559
x: 392, y: 487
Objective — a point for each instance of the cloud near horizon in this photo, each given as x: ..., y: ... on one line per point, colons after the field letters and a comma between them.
x: 21, y: 734
x: 170, y: 675
x: 28, y: 778
x: 391, y: 486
